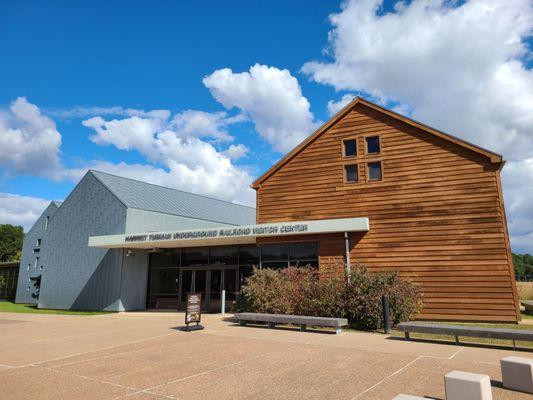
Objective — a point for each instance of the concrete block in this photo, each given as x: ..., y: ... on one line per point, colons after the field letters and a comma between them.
x: 517, y: 373
x: 408, y: 397
x: 467, y: 386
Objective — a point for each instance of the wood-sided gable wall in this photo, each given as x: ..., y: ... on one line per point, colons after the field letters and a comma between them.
x: 437, y: 215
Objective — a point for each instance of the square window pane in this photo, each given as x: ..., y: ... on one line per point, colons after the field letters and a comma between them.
x: 351, y: 173
x: 303, y: 251
x: 225, y: 255
x: 374, y: 171
x: 249, y: 255
x: 372, y: 145
x: 274, y: 252
x: 350, y: 148
x: 195, y: 256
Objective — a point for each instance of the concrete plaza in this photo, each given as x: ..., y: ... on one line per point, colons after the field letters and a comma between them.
x: 143, y: 356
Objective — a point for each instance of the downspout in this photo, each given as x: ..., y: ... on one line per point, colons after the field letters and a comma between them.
x: 347, y: 244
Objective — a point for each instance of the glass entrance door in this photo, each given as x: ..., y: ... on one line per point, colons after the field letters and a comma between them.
x: 222, y: 279
x: 209, y: 283
x: 193, y: 281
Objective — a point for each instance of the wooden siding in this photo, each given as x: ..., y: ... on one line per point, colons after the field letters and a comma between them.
x: 437, y: 215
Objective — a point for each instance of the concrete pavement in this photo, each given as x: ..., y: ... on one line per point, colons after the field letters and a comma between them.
x: 143, y: 356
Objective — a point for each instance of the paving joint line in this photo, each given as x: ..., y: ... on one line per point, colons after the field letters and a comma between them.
x: 388, y: 377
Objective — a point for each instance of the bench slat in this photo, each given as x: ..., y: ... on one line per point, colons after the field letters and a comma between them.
x: 291, y: 319
x: 456, y: 330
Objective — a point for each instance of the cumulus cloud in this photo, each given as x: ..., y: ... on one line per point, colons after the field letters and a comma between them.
x: 457, y: 66
x: 29, y: 141
x: 87, y: 111
x: 21, y: 210
x: 271, y: 97
x: 236, y: 151
x: 335, y: 106
x: 178, y: 157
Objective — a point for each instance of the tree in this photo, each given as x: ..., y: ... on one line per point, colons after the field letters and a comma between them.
x: 523, y: 266
x: 3, y: 282
x: 11, y: 238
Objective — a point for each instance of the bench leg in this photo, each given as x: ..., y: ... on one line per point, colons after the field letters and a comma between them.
x: 271, y: 325
x: 456, y: 340
x: 242, y: 323
x: 407, y: 337
x: 303, y: 327
x: 338, y: 331
x: 514, y: 344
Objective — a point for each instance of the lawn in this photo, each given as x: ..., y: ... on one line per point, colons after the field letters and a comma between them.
x: 496, y: 342
x: 7, y: 306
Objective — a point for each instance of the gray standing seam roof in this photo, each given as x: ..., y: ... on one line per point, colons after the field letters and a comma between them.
x: 147, y: 196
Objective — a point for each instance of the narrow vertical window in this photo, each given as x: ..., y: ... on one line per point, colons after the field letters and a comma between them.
x: 349, y: 147
x: 374, y: 171
x: 46, y: 223
x: 373, y: 145
x: 351, y: 174
x: 36, y: 262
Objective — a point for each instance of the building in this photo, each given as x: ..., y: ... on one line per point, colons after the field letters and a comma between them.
x: 370, y: 186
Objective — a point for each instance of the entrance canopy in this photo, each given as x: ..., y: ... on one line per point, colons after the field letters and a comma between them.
x: 244, y: 234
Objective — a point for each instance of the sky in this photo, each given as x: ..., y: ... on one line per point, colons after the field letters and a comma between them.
x: 205, y: 96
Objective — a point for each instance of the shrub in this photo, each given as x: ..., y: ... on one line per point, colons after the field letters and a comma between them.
x: 301, y: 291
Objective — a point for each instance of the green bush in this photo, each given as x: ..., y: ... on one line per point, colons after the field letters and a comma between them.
x: 300, y: 291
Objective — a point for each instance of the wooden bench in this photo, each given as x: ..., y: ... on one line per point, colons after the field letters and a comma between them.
x: 274, y: 319
x: 468, y: 331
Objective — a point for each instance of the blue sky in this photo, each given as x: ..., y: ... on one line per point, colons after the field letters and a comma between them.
x: 449, y: 64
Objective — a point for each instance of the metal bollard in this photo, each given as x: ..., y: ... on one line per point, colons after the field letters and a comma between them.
x: 223, y: 303
x: 386, y: 314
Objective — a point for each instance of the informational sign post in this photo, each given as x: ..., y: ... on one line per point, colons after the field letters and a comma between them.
x: 193, y: 312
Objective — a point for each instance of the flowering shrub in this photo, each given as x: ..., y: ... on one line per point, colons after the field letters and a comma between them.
x: 300, y: 291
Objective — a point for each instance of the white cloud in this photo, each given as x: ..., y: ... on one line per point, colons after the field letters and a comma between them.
x: 204, y: 124
x: 271, y: 97
x: 21, y: 210
x: 236, y: 151
x: 179, y: 158
x: 29, y: 141
x: 335, y: 106
x: 458, y: 68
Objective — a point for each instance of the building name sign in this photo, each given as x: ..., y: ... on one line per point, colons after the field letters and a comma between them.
x: 243, y: 231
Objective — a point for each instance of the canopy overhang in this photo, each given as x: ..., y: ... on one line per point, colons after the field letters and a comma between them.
x: 244, y: 234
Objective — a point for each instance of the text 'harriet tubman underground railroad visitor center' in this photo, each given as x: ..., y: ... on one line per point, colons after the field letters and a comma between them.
x: 368, y: 187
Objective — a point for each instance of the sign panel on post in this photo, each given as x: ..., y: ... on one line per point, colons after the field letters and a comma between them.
x: 193, y: 313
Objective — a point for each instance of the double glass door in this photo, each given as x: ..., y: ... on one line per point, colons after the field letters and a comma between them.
x: 209, y: 283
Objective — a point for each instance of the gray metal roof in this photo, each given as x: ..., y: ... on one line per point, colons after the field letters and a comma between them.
x: 146, y: 196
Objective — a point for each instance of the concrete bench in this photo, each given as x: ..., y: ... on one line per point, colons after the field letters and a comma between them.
x: 274, y: 319
x: 467, y: 386
x: 468, y: 331
x: 408, y: 397
x: 517, y: 373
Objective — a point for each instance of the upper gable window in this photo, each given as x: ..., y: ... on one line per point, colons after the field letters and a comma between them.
x: 351, y: 173
x: 373, y: 145
x: 374, y: 171
x: 349, y: 147
x: 46, y: 223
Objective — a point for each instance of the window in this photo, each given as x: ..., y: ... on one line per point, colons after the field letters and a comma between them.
x: 29, y: 265
x: 372, y: 145
x: 295, y: 254
x: 350, y: 173
x: 374, y: 171
x: 350, y: 147
x: 224, y: 255
x: 36, y: 262
x: 195, y: 256
x: 38, y: 242
x: 46, y: 223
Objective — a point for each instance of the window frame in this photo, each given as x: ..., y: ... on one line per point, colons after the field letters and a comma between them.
x: 366, y: 145
x: 345, y: 174
x: 380, y: 162
x: 343, y: 148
